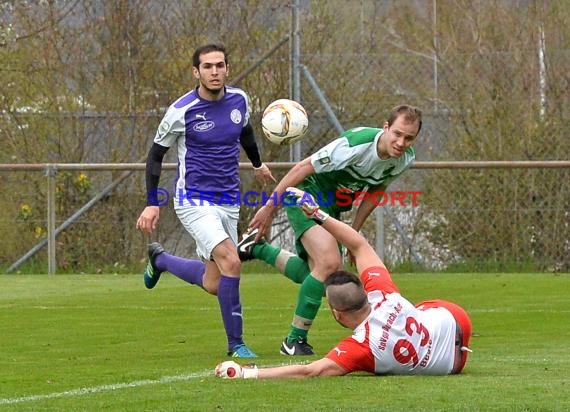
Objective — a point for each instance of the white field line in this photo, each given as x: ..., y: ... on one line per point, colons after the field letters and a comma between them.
x: 517, y: 310
x: 117, y: 386
x: 106, y: 388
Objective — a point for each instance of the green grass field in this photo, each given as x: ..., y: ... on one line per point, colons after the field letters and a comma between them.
x: 104, y: 343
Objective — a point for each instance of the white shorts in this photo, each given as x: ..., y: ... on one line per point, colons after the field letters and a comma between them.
x: 209, y: 225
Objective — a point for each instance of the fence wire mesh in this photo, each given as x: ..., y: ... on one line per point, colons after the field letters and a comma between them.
x: 455, y: 220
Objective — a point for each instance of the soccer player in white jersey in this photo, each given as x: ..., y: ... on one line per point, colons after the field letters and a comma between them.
x: 364, y: 159
x: 206, y: 126
x: 390, y: 335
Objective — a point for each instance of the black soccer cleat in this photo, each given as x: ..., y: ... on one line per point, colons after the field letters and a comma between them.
x: 245, y: 246
x: 298, y: 347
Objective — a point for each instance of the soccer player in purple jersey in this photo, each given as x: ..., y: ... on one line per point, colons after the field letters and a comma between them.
x: 207, y: 126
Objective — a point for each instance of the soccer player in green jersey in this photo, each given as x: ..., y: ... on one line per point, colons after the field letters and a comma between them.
x: 363, y: 159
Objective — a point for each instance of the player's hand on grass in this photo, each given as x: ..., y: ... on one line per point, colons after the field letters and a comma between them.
x: 308, y: 204
x: 233, y: 370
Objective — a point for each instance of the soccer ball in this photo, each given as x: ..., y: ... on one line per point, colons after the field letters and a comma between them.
x: 284, y: 122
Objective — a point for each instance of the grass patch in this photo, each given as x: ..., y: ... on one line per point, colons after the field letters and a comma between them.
x: 103, y: 342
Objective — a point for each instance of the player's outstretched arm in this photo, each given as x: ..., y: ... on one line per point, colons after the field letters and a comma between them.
x: 364, y: 255
x: 321, y: 367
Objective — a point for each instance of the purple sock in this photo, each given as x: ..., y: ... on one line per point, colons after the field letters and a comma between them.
x: 189, y: 270
x: 230, y: 306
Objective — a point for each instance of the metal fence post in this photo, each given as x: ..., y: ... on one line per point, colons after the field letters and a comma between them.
x: 51, y: 172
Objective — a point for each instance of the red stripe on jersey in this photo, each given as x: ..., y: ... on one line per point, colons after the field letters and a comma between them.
x: 377, y: 278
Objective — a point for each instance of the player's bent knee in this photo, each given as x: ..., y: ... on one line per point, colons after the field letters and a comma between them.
x: 229, y: 263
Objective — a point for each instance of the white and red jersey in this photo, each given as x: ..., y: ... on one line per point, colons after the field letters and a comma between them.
x: 397, y: 338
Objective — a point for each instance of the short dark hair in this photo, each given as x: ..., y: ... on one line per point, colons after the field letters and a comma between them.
x: 342, y: 277
x: 411, y: 114
x: 345, y: 292
x: 208, y: 48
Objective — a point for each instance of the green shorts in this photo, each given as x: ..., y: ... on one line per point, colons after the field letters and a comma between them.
x: 300, y: 224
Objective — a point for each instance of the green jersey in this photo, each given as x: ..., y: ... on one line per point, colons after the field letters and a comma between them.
x: 351, y: 164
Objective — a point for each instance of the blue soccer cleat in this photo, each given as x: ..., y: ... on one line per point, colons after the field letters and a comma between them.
x: 242, y: 351
x: 152, y: 273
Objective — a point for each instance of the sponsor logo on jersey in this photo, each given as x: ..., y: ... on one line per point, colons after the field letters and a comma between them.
x: 163, y: 128
x: 201, y: 116
x: 203, y: 126
x: 235, y: 115
x: 323, y: 157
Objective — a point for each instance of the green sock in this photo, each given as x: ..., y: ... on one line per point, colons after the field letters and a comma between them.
x: 266, y: 252
x: 297, y: 269
x: 308, y: 304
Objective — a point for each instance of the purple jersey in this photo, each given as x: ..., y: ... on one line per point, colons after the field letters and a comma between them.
x: 207, y: 134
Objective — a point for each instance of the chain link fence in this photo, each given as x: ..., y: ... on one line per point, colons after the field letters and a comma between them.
x: 528, y: 226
